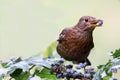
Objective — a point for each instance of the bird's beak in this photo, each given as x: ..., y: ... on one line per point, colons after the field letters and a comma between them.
x: 97, y: 23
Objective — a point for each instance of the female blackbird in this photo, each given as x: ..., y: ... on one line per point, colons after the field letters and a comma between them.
x: 75, y: 43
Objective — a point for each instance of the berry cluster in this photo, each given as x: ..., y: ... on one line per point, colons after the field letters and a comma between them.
x: 68, y: 72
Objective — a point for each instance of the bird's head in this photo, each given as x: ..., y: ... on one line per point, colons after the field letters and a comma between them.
x: 89, y: 23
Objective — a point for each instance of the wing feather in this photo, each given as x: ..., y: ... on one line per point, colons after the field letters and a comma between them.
x: 62, y: 36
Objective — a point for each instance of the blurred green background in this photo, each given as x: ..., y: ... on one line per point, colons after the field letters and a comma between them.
x: 27, y: 27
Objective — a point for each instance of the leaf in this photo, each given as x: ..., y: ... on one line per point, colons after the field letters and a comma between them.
x: 19, y: 75
x: 25, y: 75
x: 49, y: 51
x: 11, y: 62
x: 16, y: 73
x: 21, y: 65
x: 115, y: 65
x: 14, y: 60
x: 98, y: 76
x: 4, y: 65
x: 100, y: 66
x: 38, y: 61
x: 106, y: 78
x: 103, y: 74
x: 5, y: 71
x: 45, y: 73
x: 107, y: 67
x: 115, y: 62
x: 116, y: 53
x: 35, y: 78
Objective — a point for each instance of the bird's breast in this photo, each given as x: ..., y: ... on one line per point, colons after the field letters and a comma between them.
x: 76, y: 45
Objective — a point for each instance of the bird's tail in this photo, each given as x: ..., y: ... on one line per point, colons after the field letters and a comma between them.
x: 88, y: 62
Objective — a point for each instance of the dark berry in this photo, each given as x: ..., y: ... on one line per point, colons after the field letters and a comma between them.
x: 50, y: 57
x: 114, y: 70
x: 65, y: 74
x: 93, y: 72
x: 78, y: 67
x: 81, y: 65
x: 57, y: 65
x: 87, y: 75
x: 114, y: 79
x: 100, y: 22
x: 70, y: 66
x: 71, y: 71
x: 84, y: 64
x: 59, y: 75
x: 75, y: 74
x: 52, y: 65
x: 68, y: 70
x: 61, y: 61
x: 91, y: 69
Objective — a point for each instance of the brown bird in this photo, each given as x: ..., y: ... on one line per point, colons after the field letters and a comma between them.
x: 75, y: 43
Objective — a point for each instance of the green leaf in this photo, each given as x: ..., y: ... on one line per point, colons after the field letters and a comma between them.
x: 116, y: 53
x: 25, y: 75
x: 45, y: 73
x: 107, y: 67
x: 49, y: 51
x: 108, y: 73
x: 106, y: 78
x: 11, y: 62
x: 100, y: 66
x: 4, y: 65
x: 16, y: 73
x: 14, y: 60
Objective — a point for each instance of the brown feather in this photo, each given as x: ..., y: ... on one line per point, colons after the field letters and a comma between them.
x: 75, y: 43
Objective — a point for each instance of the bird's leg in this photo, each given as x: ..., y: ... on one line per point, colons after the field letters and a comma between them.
x: 87, y: 62
x: 84, y: 69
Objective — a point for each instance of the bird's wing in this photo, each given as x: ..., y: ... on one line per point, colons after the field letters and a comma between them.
x: 62, y: 36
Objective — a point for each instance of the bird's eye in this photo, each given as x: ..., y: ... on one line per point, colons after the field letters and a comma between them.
x: 86, y: 20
